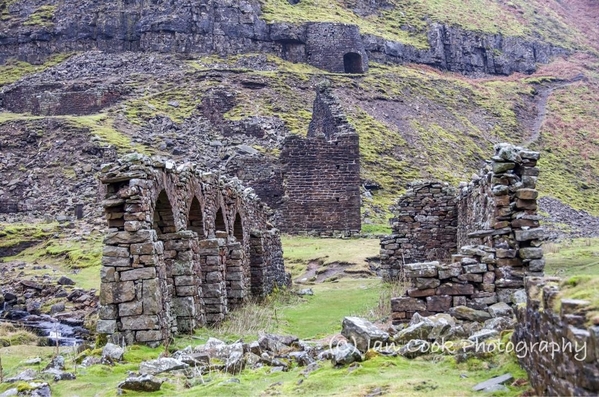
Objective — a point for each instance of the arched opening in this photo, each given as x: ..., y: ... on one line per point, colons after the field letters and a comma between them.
x: 352, y: 63
x: 195, y: 220
x: 238, y: 229
x: 219, y: 221
x: 164, y: 221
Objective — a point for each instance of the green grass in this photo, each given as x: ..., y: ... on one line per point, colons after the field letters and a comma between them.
x: 570, y: 258
x: 376, y: 229
x: 404, y: 21
x: 12, y: 234
x: 582, y: 287
x: 355, y: 250
x: 42, y: 16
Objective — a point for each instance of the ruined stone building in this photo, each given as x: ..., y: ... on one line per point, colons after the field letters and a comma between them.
x: 184, y: 246
x: 494, y: 222
x: 321, y: 173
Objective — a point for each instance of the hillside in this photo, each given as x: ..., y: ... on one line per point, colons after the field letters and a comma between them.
x: 231, y: 112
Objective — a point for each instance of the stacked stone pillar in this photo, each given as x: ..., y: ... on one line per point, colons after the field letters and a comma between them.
x: 235, y: 274
x: 212, y: 263
x: 182, y: 262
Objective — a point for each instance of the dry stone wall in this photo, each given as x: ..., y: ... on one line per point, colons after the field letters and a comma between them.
x: 563, y: 348
x: 424, y: 227
x: 497, y: 218
x: 183, y: 247
x: 321, y: 173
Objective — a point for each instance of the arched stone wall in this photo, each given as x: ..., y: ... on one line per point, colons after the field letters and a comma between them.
x: 173, y: 259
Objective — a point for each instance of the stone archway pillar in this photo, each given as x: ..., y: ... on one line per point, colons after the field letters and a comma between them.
x: 131, y: 295
x: 212, y: 254
x: 183, y: 274
x: 235, y: 276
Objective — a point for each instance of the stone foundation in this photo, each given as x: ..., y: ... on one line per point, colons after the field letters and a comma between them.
x: 180, y: 251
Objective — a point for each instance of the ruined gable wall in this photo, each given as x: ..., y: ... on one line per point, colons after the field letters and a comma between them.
x: 321, y: 173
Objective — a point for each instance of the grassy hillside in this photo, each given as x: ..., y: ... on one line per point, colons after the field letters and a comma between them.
x: 407, y: 21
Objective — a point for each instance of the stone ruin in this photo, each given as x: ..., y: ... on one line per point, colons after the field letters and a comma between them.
x: 321, y: 173
x: 183, y: 248
x: 493, y: 220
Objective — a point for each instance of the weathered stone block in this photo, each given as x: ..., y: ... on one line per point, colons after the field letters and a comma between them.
x: 116, y: 261
x: 131, y: 308
x: 142, y: 249
x: 421, y: 293
x: 527, y: 194
x: 152, y: 298
x: 404, y: 304
x: 149, y: 336
x: 115, y: 252
x: 426, y: 283
x: 425, y: 269
x: 449, y: 271
x: 530, y: 234
x: 140, y: 236
x: 117, y: 292
x: 455, y: 289
x: 106, y: 326
x: 107, y: 274
x: 438, y: 303
x: 138, y: 274
x: 143, y: 322
x: 530, y: 253
x: 475, y: 268
x: 107, y: 312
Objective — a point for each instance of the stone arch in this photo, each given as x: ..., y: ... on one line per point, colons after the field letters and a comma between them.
x: 238, y: 228
x: 220, y: 223
x: 164, y: 218
x: 352, y: 63
x: 195, y: 218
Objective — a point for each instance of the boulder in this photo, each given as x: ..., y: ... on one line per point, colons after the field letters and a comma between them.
x: 56, y: 363
x: 498, y: 380
x: 415, y: 348
x: 345, y: 354
x: 64, y: 280
x: 143, y: 383
x: 25, y: 376
x: 160, y: 365
x: 362, y: 333
x: 113, y: 352
x: 469, y: 314
x: 235, y: 362
x: 420, y: 330
x: 500, y: 309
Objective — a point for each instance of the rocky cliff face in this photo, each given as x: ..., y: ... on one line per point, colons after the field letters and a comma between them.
x: 31, y: 31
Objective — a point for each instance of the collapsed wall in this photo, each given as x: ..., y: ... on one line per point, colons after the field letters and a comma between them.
x: 498, y: 224
x: 557, y: 346
x: 321, y: 173
x: 183, y: 247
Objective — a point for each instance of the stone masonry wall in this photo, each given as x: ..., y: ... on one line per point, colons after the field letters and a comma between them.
x: 424, y: 227
x: 180, y: 249
x: 506, y: 249
x: 321, y: 174
x: 565, y: 359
